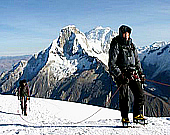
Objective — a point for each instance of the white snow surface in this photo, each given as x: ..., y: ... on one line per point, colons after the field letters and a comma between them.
x: 46, y: 116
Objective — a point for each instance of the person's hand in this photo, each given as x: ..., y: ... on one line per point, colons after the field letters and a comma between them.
x: 121, y: 79
x: 142, y: 77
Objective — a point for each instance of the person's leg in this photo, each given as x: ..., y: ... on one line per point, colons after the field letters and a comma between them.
x: 123, y: 100
x: 21, y: 101
x: 138, y: 93
x: 25, y: 105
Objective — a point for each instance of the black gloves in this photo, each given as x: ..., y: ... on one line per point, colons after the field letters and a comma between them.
x: 121, y: 79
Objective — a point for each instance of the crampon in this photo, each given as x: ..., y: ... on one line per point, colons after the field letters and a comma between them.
x: 125, y: 122
x: 140, y: 119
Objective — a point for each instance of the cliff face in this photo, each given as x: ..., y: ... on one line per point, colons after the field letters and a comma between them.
x: 155, y: 106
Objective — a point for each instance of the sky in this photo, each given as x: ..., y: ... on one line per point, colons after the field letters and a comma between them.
x: 29, y: 26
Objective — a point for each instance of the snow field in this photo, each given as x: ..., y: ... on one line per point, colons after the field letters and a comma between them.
x: 47, y: 116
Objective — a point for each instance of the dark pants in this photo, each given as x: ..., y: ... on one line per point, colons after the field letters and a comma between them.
x: 137, y: 91
x: 23, y: 104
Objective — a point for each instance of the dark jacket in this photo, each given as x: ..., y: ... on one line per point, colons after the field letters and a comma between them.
x: 23, y: 91
x: 122, y: 56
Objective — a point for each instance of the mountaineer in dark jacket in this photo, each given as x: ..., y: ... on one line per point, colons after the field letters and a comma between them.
x: 23, y: 95
x: 125, y: 66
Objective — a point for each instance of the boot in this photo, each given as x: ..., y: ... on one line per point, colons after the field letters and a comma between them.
x: 140, y: 119
x: 125, y: 120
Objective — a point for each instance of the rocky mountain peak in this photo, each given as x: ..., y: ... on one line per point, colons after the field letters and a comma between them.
x: 71, y: 41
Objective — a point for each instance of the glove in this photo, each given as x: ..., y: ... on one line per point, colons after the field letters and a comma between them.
x: 142, y: 77
x: 121, y: 79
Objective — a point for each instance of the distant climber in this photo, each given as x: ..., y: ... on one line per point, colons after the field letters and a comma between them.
x: 125, y: 66
x: 23, y: 95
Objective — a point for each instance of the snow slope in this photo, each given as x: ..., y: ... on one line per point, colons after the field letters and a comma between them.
x: 47, y: 116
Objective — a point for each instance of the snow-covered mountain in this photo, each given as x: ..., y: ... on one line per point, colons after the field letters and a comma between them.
x: 67, y: 55
x: 47, y: 116
x: 100, y: 38
x: 6, y: 62
x: 156, y: 54
x: 68, y: 69
x: 74, y: 68
x: 155, y: 61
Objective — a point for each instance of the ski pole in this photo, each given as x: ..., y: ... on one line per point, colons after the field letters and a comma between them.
x: 29, y: 105
x: 143, y: 107
x: 18, y: 106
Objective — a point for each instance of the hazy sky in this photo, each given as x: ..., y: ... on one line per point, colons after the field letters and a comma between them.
x: 28, y: 26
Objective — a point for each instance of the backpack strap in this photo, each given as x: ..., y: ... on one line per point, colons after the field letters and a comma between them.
x: 133, y: 47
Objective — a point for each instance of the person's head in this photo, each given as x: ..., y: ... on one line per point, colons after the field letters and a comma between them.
x: 23, y: 82
x: 124, y: 32
x: 126, y: 36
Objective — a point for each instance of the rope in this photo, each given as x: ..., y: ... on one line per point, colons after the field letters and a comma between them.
x: 85, y: 118
x: 26, y: 120
x: 88, y: 117
x: 100, y: 108
x: 105, y: 104
x: 158, y: 82
x: 114, y: 94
